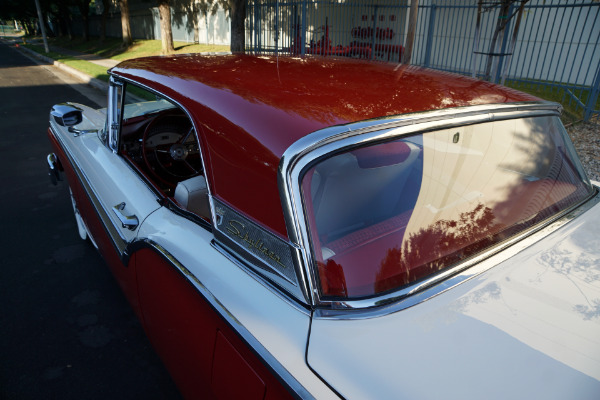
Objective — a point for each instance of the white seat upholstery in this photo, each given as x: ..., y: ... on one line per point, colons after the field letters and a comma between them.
x: 192, y: 194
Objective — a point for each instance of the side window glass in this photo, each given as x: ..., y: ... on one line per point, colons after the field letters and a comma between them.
x: 159, y: 140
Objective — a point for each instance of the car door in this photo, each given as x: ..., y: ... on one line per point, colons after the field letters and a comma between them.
x: 111, y: 197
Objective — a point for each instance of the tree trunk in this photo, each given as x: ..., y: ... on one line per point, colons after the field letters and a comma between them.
x: 125, y: 26
x: 195, y: 15
x: 503, y: 19
x: 105, y: 10
x: 238, y: 32
x: 84, y: 9
x: 412, y: 29
x: 166, y: 33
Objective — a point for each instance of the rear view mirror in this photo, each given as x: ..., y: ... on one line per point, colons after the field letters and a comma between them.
x: 66, y: 114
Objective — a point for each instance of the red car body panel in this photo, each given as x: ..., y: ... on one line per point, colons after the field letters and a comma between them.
x: 203, y: 354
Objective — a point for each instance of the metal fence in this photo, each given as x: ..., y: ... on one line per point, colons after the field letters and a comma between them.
x: 556, y: 52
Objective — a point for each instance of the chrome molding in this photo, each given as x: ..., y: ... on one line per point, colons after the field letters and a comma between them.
x: 114, y: 115
x: 262, y: 252
x: 400, y: 300
x: 53, y: 170
x: 78, y: 132
x: 259, y: 350
x: 305, y: 152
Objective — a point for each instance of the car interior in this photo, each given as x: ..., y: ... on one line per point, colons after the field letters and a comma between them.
x: 159, y: 141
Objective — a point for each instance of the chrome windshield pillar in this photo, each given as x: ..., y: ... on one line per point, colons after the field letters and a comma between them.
x: 114, y: 113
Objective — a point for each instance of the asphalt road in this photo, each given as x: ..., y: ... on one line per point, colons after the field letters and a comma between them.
x: 66, y: 330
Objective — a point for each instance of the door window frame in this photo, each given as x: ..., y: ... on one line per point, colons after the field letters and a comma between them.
x: 114, y: 114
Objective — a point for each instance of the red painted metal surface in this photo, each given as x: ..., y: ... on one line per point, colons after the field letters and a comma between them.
x: 205, y: 357
x: 249, y: 110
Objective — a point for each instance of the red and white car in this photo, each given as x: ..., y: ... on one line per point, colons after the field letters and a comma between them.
x: 321, y: 228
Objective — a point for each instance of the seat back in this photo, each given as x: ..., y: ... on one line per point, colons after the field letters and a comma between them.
x: 192, y: 194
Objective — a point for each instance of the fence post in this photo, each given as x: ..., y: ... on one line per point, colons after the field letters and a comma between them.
x: 373, y: 38
x: 303, y: 31
x: 591, y: 103
x: 430, y: 31
x: 257, y: 27
x: 277, y: 28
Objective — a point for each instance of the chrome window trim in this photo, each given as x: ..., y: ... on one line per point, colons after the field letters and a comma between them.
x: 275, y: 367
x: 469, y: 269
x: 305, y: 152
x: 113, y: 114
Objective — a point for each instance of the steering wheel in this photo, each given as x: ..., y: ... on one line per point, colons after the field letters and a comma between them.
x: 170, y: 148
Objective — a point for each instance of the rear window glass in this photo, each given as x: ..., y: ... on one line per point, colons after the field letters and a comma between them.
x: 391, y: 214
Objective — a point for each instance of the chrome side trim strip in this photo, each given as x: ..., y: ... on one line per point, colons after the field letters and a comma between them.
x: 271, y: 286
x: 282, y: 374
x: 302, y: 154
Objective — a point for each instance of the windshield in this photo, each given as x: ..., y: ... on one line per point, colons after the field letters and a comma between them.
x: 388, y: 215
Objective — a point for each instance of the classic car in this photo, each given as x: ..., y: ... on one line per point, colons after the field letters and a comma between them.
x: 324, y: 228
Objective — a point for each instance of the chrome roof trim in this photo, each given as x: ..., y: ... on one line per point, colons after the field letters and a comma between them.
x: 262, y: 353
x: 308, y: 150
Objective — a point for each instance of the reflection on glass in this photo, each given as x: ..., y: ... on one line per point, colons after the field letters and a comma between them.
x: 139, y: 101
x: 388, y: 215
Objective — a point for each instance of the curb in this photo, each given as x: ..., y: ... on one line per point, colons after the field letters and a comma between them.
x: 96, y: 83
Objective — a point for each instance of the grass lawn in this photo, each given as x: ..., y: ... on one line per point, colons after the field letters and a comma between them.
x: 572, y: 112
x: 112, y: 47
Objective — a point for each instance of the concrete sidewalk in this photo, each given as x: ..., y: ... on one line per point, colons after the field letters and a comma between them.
x: 104, y: 62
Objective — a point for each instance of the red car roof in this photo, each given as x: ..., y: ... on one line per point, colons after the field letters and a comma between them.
x: 250, y: 109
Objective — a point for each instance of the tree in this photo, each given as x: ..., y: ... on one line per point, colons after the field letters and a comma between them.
x: 104, y: 16
x: 237, y: 13
x: 237, y: 16
x: 504, y: 17
x: 84, y: 9
x: 61, y: 13
x: 125, y: 27
x: 412, y: 29
x: 164, y: 9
